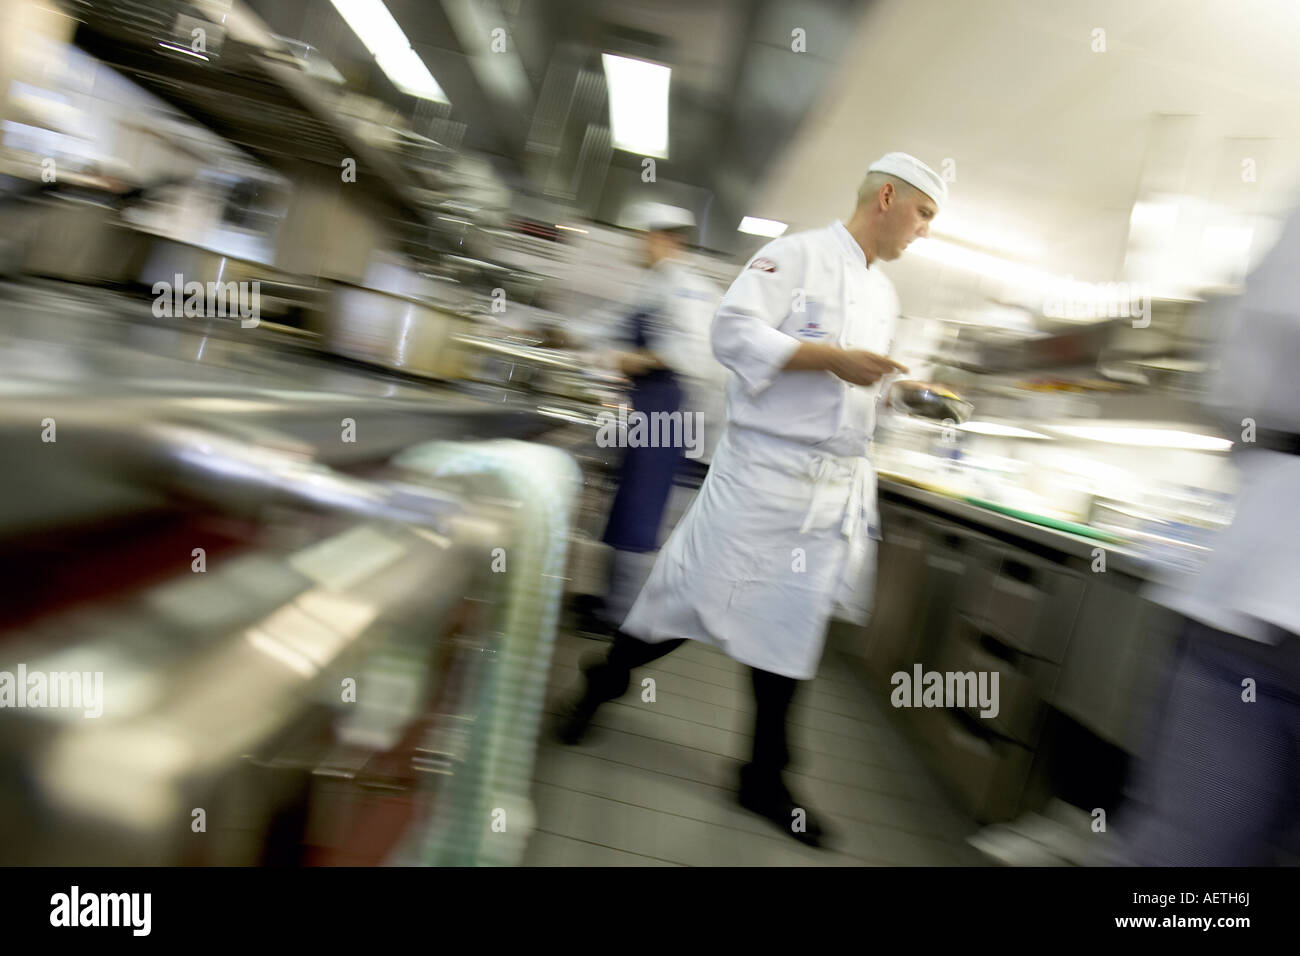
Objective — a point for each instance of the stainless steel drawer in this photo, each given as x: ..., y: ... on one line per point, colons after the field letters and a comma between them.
x: 1031, y: 605
x: 984, y: 558
x: 986, y: 773
x: 1115, y: 670
x: 954, y: 559
x: 1024, y: 682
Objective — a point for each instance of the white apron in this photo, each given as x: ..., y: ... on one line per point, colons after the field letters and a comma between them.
x: 778, y: 536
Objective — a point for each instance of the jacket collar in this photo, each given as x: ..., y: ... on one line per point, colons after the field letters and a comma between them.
x: 848, y: 243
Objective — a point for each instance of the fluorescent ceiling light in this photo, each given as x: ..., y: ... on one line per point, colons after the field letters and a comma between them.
x: 762, y: 227
x: 1148, y: 437
x: 380, y: 34
x: 373, y: 25
x: 409, y: 74
x: 638, y: 104
x: 1005, y: 431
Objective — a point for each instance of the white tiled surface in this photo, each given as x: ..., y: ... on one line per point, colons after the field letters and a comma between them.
x: 654, y: 783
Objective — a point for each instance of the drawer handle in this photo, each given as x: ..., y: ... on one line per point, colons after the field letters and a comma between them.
x: 943, y: 564
x: 1018, y: 571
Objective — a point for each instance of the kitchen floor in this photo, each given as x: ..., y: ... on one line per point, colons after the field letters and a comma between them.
x: 654, y: 783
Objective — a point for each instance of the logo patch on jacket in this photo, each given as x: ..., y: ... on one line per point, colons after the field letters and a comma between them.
x: 812, y: 327
x: 764, y: 265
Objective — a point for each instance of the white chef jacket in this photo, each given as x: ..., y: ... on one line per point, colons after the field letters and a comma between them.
x: 680, y: 305
x: 1249, y: 583
x: 759, y: 327
x: 779, y: 532
x: 664, y: 292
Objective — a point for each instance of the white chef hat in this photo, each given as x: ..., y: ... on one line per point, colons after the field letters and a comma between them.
x: 654, y: 215
x: 911, y: 170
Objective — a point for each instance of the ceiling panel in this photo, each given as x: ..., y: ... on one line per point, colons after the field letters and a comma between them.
x: 1050, y: 138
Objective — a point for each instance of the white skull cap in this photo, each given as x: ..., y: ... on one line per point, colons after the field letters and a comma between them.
x: 659, y: 216
x: 911, y: 170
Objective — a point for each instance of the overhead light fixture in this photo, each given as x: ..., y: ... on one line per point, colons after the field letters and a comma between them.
x: 1000, y: 430
x: 380, y: 34
x: 1145, y: 436
x: 638, y: 104
x: 762, y: 227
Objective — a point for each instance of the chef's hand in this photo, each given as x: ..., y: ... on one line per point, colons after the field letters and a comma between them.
x: 860, y: 367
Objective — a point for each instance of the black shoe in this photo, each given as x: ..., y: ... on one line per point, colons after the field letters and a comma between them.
x: 574, y: 723
x: 771, y: 799
x: 600, y: 685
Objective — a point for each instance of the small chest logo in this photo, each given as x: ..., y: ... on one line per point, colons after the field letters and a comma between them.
x: 812, y: 326
x: 763, y: 265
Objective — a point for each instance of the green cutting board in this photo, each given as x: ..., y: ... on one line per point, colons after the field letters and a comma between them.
x: 1058, y: 524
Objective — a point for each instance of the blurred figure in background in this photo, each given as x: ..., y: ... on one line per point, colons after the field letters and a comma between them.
x: 1221, y: 785
x: 667, y: 358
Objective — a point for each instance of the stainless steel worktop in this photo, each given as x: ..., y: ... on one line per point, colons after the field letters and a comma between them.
x: 96, y: 361
x: 1118, y: 558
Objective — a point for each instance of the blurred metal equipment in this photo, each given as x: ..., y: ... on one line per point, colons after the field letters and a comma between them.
x: 81, y: 240
x: 998, y: 351
x: 397, y: 332
x: 266, y: 668
x: 248, y: 86
x: 543, y: 482
x: 296, y: 637
x: 73, y: 228
x: 537, y: 370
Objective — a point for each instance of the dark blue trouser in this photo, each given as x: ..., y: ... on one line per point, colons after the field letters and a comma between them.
x: 646, y: 478
x: 1220, y: 786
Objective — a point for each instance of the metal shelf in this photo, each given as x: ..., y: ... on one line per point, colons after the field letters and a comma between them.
x: 244, y: 92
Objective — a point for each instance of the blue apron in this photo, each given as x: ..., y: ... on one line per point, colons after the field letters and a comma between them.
x: 646, y: 477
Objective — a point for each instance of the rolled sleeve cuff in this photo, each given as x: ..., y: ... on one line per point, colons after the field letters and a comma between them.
x: 766, y: 353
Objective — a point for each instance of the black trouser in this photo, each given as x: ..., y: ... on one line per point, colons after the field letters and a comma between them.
x: 773, y: 693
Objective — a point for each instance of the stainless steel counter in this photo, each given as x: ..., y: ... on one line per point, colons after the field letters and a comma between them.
x: 1118, y: 558
x: 93, y: 360
x: 1076, y: 649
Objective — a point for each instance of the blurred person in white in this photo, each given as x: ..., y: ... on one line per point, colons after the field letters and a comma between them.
x: 665, y: 354
x: 780, y: 532
x: 1221, y: 784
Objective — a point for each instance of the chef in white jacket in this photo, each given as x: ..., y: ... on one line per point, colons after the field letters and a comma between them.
x: 1220, y: 786
x: 780, y: 532
x: 666, y: 358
